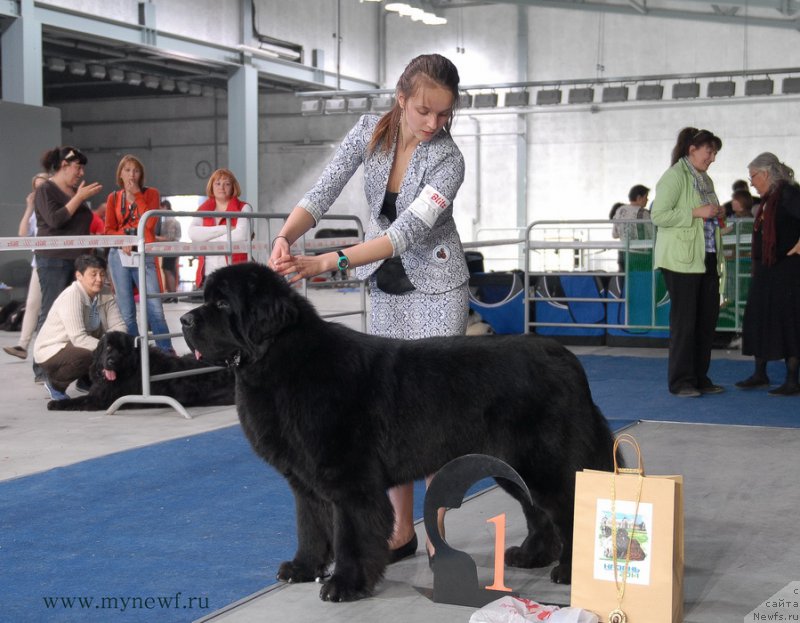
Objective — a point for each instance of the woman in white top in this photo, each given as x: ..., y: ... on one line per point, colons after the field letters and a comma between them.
x: 223, y: 192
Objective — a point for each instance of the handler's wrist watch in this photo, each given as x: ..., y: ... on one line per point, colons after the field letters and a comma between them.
x: 342, y: 263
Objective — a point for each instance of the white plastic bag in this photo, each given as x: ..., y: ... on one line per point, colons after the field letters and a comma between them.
x: 520, y: 610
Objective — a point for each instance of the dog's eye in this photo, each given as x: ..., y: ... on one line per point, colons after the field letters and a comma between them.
x: 223, y: 305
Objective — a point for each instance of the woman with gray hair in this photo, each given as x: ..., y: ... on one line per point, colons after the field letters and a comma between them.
x: 771, y: 329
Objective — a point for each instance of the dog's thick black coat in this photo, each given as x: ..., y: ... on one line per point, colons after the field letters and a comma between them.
x: 116, y: 357
x: 344, y: 416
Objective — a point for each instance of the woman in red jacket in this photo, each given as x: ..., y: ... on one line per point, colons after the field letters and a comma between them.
x: 124, y: 208
x: 223, y: 192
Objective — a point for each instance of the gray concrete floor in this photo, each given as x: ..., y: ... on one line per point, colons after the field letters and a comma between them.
x: 741, y: 540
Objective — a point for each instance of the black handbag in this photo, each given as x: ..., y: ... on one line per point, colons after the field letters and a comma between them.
x: 391, y: 277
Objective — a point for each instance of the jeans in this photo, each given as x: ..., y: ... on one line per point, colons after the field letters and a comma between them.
x: 124, y: 279
x: 55, y: 274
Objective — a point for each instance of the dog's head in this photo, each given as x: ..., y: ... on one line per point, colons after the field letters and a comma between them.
x: 115, y: 353
x: 246, y: 307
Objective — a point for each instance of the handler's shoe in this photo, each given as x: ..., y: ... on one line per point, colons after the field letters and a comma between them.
x: 687, y: 392
x: 753, y: 382
x: 54, y: 393
x: 404, y: 551
x: 16, y: 351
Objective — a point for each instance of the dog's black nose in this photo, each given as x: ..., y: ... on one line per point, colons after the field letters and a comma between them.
x: 187, y: 320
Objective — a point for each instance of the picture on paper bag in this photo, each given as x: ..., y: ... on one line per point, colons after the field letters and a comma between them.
x: 633, y: 531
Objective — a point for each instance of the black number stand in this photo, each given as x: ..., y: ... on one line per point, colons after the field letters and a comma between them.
x: 455, y: 574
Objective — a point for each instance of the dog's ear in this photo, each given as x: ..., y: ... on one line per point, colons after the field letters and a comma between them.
x: 273, y: 306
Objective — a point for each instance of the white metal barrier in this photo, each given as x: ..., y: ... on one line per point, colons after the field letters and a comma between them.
x: 255, y: 249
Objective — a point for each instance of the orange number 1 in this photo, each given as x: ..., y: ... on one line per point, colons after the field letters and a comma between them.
x: 499, y: 522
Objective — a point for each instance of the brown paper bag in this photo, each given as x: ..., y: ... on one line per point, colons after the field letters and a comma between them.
x: 653, y: 590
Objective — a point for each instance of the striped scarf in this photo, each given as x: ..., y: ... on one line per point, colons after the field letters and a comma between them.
x: 705, y: 188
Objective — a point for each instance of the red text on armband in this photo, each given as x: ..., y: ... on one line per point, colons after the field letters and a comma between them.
x: 439, y: 200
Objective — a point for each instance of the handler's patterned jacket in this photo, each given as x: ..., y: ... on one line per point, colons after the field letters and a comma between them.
x: 424, y: 234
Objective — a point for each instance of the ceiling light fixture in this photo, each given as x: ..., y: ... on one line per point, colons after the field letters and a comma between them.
x: 415, y: 13
x: 77, y: 68
x: 335, y: 105
x: 382, y: 103
x: 97, y: 71
x: 56, y: 64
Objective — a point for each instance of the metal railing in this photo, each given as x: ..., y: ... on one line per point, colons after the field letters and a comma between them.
x: 255, y: 250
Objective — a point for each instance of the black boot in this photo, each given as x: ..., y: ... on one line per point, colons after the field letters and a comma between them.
x: 758, y: 379
x: 791, y: 386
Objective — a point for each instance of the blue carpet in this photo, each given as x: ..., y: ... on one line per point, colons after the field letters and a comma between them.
x: 200, y: 516
x: 635, y: 388
x: 203, y: 519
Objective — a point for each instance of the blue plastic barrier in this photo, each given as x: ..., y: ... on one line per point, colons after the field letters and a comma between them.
x: 571, y: 312
x: 499, y: 299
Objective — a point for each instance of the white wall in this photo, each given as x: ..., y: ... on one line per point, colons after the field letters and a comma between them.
x: 579, y: 162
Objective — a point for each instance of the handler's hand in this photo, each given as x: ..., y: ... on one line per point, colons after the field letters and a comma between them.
x: 304, y: 266
x: 280, y: 248
x: 795, y: 250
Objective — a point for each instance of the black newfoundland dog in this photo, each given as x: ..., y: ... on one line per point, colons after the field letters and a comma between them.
x: 116, y: 371
x: 344, y: 416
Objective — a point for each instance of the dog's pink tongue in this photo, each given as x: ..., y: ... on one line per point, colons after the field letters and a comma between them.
x: 197, y: 355
x: 110, y: 375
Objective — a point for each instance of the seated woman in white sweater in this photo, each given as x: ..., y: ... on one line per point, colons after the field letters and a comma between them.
x: 223, y: 192
x: 77, y: 320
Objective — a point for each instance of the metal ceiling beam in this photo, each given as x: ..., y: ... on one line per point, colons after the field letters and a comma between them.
x: 786, y: 8
x: 185, y: 48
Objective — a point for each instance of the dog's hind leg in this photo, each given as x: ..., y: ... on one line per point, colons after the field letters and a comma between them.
x: 314, y: 539
x: 362, y: 527
x: 542, y: 545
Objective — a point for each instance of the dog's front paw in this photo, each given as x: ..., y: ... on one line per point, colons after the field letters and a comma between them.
x: 292, y: 572
x: 339, y: 588
x: 562, y: 573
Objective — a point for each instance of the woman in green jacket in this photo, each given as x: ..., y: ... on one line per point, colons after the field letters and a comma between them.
x: 688, y: 250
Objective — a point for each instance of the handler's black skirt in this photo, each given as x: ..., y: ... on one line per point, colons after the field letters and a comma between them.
x: 771, y: 326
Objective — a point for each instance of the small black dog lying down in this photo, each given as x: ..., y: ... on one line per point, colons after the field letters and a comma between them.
x: 345, y: 416
x: 117, y: 371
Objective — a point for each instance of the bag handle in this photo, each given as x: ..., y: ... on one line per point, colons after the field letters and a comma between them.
x: 630, y: 440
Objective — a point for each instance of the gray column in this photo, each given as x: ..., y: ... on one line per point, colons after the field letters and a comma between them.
x: 243, y: 130
x: 522, y: 127
x: 22, y: 58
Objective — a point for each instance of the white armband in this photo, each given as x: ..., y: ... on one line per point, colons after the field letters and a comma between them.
x: 429, y: 205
